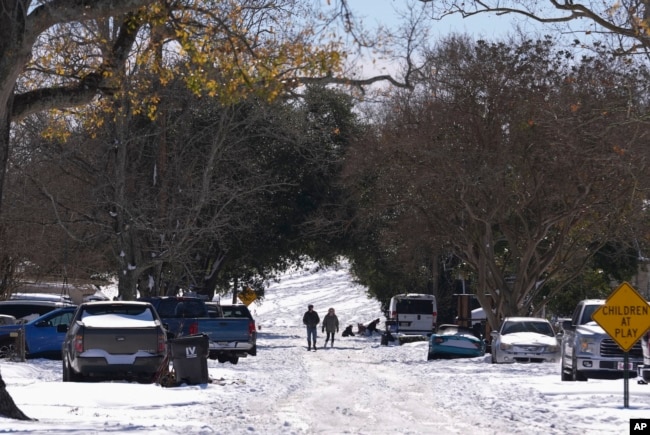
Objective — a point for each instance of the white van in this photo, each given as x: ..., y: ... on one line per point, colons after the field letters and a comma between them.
x: 414, y: 313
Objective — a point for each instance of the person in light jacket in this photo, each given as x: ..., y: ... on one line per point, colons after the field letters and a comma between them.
x: 311, y: 320
x: 331, y: 325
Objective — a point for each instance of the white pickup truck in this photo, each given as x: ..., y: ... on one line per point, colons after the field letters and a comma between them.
x: 589, y: 352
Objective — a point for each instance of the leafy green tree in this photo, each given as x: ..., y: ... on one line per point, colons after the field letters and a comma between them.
x: 245, y: 188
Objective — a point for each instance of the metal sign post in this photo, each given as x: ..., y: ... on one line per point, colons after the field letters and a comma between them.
x: 626, y: 380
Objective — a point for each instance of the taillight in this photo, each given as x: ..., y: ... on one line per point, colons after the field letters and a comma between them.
x: 194, y: 328
x: 393, y: 314
x: 251, y: 327
x: 78, y: 343
x: 162, y: 344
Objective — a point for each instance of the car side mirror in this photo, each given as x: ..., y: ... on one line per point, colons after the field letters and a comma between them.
x: 493, y: 334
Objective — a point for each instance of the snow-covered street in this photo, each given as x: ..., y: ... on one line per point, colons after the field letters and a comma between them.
x: 357, y: 387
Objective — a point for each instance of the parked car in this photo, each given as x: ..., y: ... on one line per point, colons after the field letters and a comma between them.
x: 115, y: 340
x: 453, y: 341
x: 525, y: 339
x: 41, y: 297
x: 25, y: 310
x: 413, y: 313
x: 43, y: 335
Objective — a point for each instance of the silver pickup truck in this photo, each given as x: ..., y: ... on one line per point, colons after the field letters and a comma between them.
x: 114, y: 340
x: 589, y: 352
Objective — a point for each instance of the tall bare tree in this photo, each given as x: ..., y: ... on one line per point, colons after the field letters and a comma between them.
x: 627, y: 22
x: 517, y: 158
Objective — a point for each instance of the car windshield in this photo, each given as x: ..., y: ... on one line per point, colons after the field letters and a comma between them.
x: 587, y: 313
x: 415, y: 306
x: 233, y: 311
x: 511, y: 327
x: 456, y: 330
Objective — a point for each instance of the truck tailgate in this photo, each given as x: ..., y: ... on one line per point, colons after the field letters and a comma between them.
x: 122, y: 341
x: 226, y: 329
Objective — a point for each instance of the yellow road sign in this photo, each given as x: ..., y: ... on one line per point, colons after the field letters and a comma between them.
x: 625, y: 316
x: 247, y: 296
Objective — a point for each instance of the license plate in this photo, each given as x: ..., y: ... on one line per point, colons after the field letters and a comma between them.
x: 621, y: 366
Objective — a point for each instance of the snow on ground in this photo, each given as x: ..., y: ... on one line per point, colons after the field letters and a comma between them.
x: 357, y: 387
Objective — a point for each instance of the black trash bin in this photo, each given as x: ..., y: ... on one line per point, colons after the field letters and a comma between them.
x: 190, y: 359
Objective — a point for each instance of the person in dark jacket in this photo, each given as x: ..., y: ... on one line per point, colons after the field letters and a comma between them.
x: 331, y: 325
x: 347, y: 332
x: 372, y: 327
x: 311, y: 321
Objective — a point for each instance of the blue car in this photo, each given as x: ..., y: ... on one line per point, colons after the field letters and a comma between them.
x: 453, y: 341
x: 43, y: 336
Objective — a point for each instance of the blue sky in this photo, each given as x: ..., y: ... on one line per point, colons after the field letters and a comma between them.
x: 387, y: 12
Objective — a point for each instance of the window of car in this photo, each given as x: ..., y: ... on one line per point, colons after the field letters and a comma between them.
x: 235, y: 311
x: 173, y: 308
x: 414, y: 306
x: 512, y: 327
x: 141, y: 312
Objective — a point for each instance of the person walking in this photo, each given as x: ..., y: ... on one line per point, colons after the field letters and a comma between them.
x: 331, y: 325
x: 311, y: 321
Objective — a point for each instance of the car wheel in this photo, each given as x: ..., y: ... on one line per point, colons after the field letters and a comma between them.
x: 430, y: 356
x: 222, y: 359
x: 7, y: 349
x: 645, y: 374
x: 66, y: 372
x: 566, y: 374
x: 234, y: 360
x: 69, y: 374
x: 576, y: 375
x: 253, y: 351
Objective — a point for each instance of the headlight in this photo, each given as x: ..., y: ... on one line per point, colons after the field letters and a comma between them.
x: 551, y: 348
x: 586, y: 344
x: 505, y: 346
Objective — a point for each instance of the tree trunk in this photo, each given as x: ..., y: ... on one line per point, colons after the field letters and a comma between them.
x: 8, y: 407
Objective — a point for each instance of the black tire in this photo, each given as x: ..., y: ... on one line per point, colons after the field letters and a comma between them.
x: 222, y: 359
x: 565, y: 374
x: 7, y: 349
x: 645, y: 374
x: 234, y: 360
x: 576, y: 374
x: 253, y: 351
x: 69, y: 375
x: 430, y: 356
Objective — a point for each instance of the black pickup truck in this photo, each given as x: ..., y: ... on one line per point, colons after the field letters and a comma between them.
x: 230, y: 338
